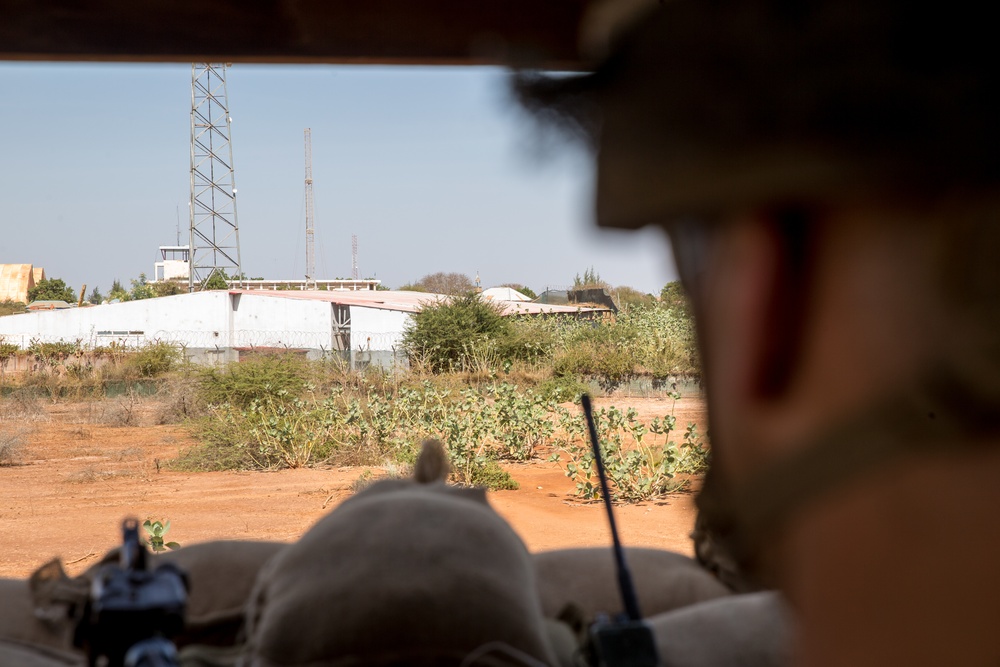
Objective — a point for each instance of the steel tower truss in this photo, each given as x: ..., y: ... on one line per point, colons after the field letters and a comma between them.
x: 215, y: 234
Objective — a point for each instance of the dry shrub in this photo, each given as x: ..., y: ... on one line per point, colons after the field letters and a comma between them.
x: 123, y: 411
x: 11, y: 445
x: 177, y: 401
x: 22, y: 405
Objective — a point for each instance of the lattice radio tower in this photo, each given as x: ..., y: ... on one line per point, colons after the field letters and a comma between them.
x: 310, y: 216
x: 215, y: 234
x: 355, y: 271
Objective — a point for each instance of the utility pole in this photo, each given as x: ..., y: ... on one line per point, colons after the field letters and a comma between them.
x: 214, y: 232
x: 355, y: 271
x: 310, y: 217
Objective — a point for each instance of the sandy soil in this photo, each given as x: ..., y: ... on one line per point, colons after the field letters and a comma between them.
x: 77, y: 478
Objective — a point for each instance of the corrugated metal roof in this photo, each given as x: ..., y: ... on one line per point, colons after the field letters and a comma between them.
x: 408, y: 302
x: 405, y: 301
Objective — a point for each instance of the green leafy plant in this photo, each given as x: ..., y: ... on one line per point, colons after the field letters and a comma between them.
x: 640, y: 460
x: 155, y: 532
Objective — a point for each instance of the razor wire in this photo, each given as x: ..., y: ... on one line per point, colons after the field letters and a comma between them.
x: 322, y: 341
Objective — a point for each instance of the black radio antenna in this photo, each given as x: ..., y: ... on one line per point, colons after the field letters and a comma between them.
x: 625, y: 585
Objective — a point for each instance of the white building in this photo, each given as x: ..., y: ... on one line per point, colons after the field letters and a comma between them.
x: 365, y: 326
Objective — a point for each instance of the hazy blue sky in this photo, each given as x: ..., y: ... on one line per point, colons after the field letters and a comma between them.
x: 434, y: 169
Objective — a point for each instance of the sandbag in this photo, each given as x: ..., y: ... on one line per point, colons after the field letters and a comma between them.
x: 21, y: 655
x: 221, y: 575
x: 27, y: 640
x: 586, y: 579
x: 404, y: 572
x: 750, y: 630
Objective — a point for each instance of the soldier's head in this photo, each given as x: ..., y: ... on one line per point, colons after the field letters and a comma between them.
x: 828, y: 173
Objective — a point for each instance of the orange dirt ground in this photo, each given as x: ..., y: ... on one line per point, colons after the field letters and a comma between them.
x: 75, y: 480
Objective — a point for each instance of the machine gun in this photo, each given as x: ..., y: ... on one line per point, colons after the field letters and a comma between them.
x: 132, y: 611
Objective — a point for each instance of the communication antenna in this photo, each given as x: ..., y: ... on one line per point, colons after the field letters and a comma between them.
x: 310, y: 216
x: 215, y: 234
x: 626, y: 640
x: 355, y: 271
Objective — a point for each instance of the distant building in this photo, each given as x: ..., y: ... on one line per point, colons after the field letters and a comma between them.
x: 174, y: 264
x: 363, y: 326
x: 48, y: 305
x: 17, y: 279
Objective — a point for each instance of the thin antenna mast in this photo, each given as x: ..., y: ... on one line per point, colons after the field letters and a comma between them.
x: 310, y: 217
x: 355, y: 271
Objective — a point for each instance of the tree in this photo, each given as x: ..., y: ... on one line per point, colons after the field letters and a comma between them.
x: 118, y: 292
x: 218, y: 280
x: 52, y: 289
x: 523, y: 289
x: 141, y: 289
x: 673, y: 296
x: 628, y: 297
x: 95, y: 297
x: 591, y: 280
x: 453, y: 284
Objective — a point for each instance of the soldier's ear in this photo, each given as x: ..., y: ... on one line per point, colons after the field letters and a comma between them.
x: 789, y: 235
x: 755, y: 306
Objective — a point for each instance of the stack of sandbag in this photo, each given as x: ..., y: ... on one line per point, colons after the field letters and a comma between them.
x: 411, y: 572
x: 406, y: 572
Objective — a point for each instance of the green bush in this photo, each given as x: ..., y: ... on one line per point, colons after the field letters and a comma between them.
x: 447, y: 336
x: 262, y: 376
x: 154, y: 359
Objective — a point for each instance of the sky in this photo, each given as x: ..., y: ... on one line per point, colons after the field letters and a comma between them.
x: 434, y: 169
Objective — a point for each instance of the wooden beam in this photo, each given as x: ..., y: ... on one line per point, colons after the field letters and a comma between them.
x: 532, y: 32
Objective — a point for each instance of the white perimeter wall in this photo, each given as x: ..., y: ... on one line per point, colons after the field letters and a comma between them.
x: 376, y: 329
x: 276, y: 322
x: 203, y: 315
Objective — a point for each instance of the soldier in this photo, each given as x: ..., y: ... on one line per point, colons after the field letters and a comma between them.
x: 827, y: 173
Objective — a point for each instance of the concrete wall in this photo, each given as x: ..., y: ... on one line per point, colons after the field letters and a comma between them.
x: 377, y: 335
x: 276, y: 322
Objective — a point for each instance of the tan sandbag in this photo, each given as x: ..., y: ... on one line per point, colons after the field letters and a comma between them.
x: 401, y: 573
x: 20, y: 624
x: 21, y: 655
x: 750, y: 630
x: 586, y: 579
x: 26, y: 640
x: 221, y: 575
